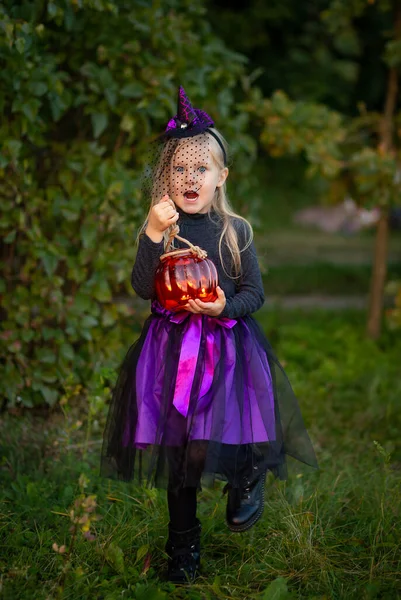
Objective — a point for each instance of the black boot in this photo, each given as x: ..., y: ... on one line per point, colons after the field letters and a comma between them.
x: 245, y: 504
x: 183, y: 549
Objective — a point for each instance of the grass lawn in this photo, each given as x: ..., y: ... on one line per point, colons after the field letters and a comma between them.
x: 322, y: 278
x: 332, y: 534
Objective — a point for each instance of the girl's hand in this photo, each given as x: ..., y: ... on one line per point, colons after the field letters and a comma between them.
x: 213, y: 309
x: 161, y: 217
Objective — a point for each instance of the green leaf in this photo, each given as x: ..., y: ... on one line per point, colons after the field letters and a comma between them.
x: 27, y: 401
x: 115, y: 189
x: 67, y: 351
x: 52, y: 9
x: 109, y: 317
x: 38, y: 88
x: 142, y: 552
x: 132, y: 90
x: 70, y: 215
x: 99, y: 123
x: 56, y: 106
x: 111, y: 96
x: 127, y: 123
x: 347, y: 42
x: 392, y: 53
x: 277, y: 590
x: 20, y: 45
x: 14, y: 147
x: 148, y: 592
x: 49, y: 378
x: 82, y: 302
x: 115, y: 557
x: 50, y: 263
x: 48, y: 394
x: 10, y: 237
x: 88, y: 234
x: 45, y: 355
x: 347, y: 70
x: 101, y: 291
x: 68, y: 495
x: 27, y: 335
x: 30, y: 109
x: 88, y: 322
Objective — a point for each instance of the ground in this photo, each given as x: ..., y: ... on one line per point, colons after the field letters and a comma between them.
x: 324, y: 535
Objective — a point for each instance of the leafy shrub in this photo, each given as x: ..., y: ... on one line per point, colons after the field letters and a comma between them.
x: 85, y: 86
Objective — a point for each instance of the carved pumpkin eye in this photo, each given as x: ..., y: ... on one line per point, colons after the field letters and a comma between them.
x: 184, y: 277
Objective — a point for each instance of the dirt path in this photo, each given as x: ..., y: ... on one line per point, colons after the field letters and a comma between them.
x: 316, y: 302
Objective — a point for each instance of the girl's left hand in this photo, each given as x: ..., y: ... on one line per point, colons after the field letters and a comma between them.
x: 213, y: 309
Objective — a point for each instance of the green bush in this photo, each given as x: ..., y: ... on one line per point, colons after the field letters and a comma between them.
x: 84, y: 86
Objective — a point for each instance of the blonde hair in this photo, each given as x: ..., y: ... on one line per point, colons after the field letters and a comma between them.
x: 220, y: 203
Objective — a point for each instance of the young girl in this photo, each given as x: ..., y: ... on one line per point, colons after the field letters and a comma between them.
x: 201, y: 394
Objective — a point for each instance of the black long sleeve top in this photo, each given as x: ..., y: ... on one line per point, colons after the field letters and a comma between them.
x: 244, y: 295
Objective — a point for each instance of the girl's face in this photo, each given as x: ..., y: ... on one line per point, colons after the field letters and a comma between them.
x: 195, y: 175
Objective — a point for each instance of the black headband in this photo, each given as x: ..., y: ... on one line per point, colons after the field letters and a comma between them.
x: 216, y: 137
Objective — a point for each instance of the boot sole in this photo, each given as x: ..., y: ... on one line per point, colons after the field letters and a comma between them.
x: 253, y: 520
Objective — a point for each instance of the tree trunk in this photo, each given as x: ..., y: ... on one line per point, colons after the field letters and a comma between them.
x: 378, y: 279
x: 379, y: 273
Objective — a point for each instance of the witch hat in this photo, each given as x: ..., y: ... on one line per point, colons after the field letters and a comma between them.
x: 188, y: 121
x: 185, y: 111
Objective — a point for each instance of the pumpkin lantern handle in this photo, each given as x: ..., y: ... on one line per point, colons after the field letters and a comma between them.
x: 194, y: 249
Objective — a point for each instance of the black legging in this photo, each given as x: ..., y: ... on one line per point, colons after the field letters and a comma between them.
x: 182, y: 503
x: 182, y: 508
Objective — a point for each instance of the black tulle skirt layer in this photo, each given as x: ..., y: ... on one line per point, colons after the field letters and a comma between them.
x: 199, y: 397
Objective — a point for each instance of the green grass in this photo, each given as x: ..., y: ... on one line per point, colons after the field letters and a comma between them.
x: 334, y: 534
x: 322, y: 278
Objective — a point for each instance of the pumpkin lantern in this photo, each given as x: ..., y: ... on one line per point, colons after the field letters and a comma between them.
x: 183, y: 275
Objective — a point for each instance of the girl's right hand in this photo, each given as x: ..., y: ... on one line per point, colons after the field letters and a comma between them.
x: 161, y: 217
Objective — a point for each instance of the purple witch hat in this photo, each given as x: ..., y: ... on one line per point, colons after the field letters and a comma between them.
x: 190, y: 121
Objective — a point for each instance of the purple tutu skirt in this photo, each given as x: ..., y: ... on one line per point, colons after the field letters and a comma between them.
x: 199, y: 397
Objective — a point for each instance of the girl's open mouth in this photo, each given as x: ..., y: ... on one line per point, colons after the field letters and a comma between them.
x: 191, y: 195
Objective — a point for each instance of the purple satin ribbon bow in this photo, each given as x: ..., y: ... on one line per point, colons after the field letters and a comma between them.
x: 189, y: 354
